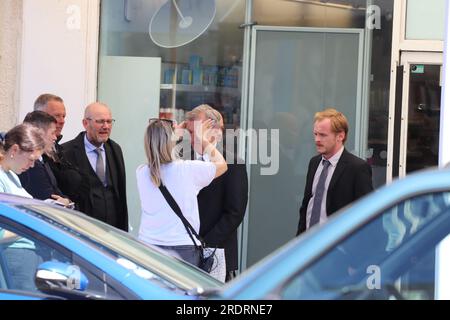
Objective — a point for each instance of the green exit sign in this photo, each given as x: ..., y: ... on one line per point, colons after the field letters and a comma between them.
x: 417, y: 68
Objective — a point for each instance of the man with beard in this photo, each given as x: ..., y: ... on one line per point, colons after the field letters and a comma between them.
x: 102, y: 193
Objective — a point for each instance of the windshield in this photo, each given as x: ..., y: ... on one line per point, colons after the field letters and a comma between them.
x: 127, y: 250
x: 391, y: 256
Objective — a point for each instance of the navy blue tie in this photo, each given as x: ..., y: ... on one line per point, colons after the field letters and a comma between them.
x: 318, y: 196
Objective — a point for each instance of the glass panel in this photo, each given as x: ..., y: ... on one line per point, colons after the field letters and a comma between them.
x: 380, y: 70
x: 21, y: 254
x: 202, y: 65
x: 423, y: 117
x: 315, y: 13
x: 425, y: 20
x: 122, y: 246
x: 199, y: 42
x: 349, y: 14
x: 391, y: 257
x: 298, y: 73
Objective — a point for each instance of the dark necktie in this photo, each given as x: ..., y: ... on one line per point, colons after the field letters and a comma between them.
x: 50, y: 174
x: 318, y: 196
x: 99, y: 166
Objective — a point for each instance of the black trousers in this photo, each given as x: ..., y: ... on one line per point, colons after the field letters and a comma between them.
x: 230, y: 275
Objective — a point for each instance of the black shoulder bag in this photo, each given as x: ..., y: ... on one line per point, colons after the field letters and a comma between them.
x: 206, y: 263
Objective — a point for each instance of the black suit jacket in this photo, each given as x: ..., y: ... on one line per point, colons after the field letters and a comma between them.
x: 222, y: 207
x: 74, y: 151
x: 351, y: 180
x: 67, y: 176
x: 40, y: 181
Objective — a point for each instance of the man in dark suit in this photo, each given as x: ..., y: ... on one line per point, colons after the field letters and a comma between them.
x: 39, y: 180
x: 222, y: 204
x: 335, y: 177
x: 67, y: 177
x: 102, y: 193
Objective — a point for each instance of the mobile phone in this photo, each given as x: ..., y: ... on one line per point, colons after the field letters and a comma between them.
x: 70, y: 205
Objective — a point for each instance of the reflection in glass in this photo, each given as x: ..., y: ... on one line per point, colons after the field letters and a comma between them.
x: 348, y: 14
x: 424, y: 110
x: 400, y: 244
x: 298, y: 74
x: 207, y: 69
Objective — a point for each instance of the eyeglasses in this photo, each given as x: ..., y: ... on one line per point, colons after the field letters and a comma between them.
x: 103, y: 121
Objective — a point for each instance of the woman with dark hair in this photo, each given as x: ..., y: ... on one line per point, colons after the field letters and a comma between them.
x: 183, y: 179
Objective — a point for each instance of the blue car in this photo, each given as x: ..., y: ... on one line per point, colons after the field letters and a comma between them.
x: 48, y: 252
x: 392, y: 244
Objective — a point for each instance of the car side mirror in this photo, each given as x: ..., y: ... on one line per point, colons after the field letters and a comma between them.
x: 61, y: 278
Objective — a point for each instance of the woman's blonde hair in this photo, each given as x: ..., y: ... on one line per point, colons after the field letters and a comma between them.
x: 159, y: 147
x: 27, y: 137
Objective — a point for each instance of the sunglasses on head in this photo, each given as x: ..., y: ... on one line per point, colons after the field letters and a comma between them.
x: 151, y: 120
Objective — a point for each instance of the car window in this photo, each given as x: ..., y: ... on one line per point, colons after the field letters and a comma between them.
x: 149, y: 263
x: 22, y: 251
x: 390, y: 257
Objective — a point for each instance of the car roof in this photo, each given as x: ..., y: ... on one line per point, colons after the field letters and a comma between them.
x: 301, y: 251
x: 101, y: 235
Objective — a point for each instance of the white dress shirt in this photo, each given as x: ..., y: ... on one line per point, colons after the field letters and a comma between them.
x: 323, y: 208
x: 92, y: 154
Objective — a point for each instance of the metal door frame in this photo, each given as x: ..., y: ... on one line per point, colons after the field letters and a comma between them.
x: 361, y: 104
x: 408, y: 59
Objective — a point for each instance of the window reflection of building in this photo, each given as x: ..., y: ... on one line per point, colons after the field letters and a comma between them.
x: 424, y: 118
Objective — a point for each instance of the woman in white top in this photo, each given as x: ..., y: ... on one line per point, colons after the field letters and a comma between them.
x: 184, y: 179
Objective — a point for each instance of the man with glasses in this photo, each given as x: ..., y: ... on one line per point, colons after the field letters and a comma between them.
x: 99, y: 159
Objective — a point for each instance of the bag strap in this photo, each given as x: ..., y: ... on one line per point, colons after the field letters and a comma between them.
x: 173, y: 204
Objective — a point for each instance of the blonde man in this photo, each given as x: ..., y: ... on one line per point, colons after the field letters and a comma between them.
x: 335, y: 177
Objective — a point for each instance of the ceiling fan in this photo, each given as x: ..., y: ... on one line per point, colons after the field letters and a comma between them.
x: 179, y: 22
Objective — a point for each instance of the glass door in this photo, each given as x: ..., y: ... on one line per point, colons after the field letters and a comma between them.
x: 295, y: 72
x: 421, y: 110
x: 420, y: 129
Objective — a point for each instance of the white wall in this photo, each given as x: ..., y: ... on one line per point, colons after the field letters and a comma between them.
x: 10, y: 31
x: 59, y: 55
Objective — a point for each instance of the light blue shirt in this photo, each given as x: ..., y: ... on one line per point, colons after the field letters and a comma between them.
x: 10, y: 183
x: 323, y: 208
x: 92, y: 154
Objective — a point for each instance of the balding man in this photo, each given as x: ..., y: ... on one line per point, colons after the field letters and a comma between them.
x: 102, y: 194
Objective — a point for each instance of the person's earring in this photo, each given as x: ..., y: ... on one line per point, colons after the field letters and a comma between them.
x: 12, y: 156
